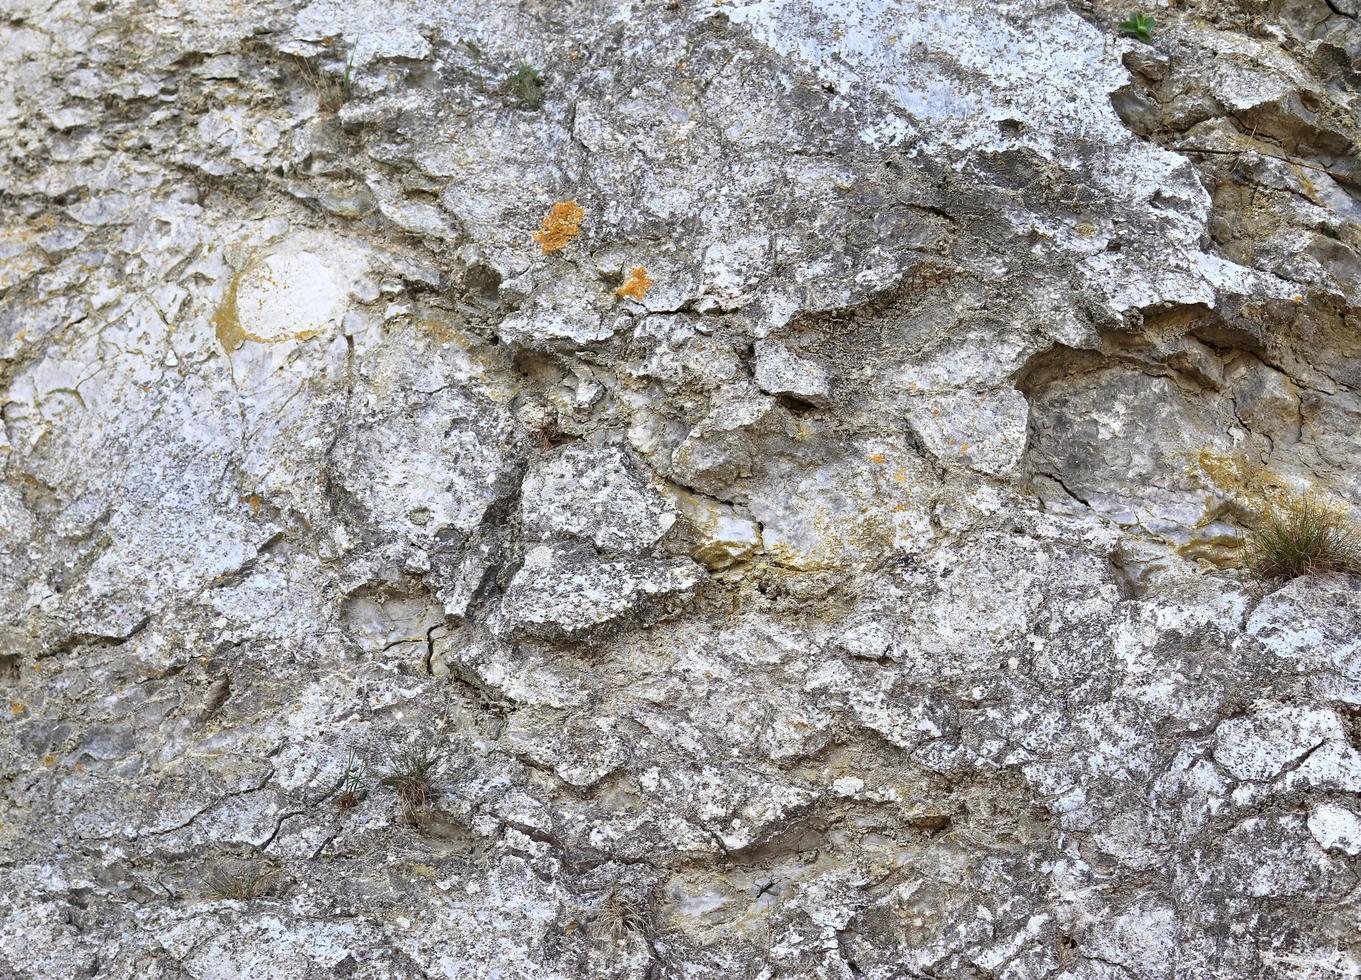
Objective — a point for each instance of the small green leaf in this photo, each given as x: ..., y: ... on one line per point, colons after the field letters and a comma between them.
x: 1139, y: 26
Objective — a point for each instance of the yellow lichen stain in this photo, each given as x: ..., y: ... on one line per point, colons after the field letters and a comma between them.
x: 1232, y: 473
x: 441, y: 329
x: 1220, y: 550
x: 1241, y: 487
x: 560, y: 226
x: 877, y: 458
x: 49, y: 761
x: 635, y: 285
x: 254, y: 501
x: 1085, y: 229
x: 18, y: 708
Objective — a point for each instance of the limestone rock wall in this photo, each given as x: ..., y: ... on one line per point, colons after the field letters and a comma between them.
x: 775, y: 460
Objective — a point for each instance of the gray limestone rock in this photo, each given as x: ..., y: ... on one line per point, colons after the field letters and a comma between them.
x: 595, y: 494
x: 675, y: 489
x: 567, y: 592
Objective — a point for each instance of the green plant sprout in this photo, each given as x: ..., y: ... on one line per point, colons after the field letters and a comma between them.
x: 1139, y: 26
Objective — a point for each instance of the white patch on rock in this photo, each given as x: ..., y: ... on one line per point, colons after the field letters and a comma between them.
x: 596, y: 494
x: 289, y: 294
x: 1336, y: 828
x: 300, y: 289
x: 1261, y: 744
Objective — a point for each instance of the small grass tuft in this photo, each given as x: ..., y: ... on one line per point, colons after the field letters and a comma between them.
x: 240, y: 886
x: 354, y: 784
x: 331, y: 93
x: 616, y: 917
x: 409, y: 775
x: 1298, y: 534
x: 526, y: 84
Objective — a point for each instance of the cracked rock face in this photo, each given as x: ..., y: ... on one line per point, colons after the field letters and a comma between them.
x: 675, y: 489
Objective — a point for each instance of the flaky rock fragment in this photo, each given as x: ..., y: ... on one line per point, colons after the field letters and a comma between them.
x: 567, y: 592
x: 596, y: 494
x: 717, y: 536
x: 984, y: 432
x: 727, y: 444
x: 779, y: 371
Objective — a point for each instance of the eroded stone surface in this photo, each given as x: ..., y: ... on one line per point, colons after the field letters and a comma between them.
x: 595, y: 494
x: 566, y: 592
x: 858, y: 599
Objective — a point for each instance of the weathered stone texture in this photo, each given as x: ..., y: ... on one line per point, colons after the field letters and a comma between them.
x: 783, y: 469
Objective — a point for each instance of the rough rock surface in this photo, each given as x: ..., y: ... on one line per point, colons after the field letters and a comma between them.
x: 807, y: 553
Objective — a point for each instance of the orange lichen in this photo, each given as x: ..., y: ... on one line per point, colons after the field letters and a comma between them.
x: 560, y: 226
x: 635, y: 285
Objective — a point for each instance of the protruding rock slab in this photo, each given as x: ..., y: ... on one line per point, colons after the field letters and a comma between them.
x: 566, y: 592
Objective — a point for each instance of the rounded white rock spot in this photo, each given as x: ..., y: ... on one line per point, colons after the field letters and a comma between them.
x: 290, y: 295
x: 1336, y: 828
